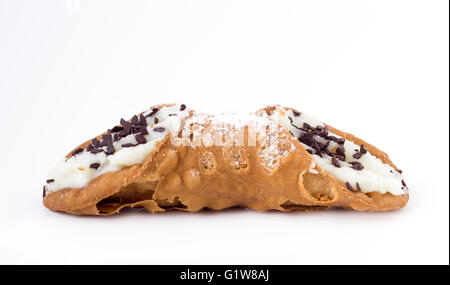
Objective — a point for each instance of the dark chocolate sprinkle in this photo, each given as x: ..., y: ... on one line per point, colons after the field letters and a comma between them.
x: 356, y: 165
x: 319, y: 148
x: 335, y: 162
x: 94, y: 165
x: 349, y: 186
x: 77, y: 151
x: 182, y: 107
x: 340, y: 157
x: 136, y: 129
x: 399, y: 171
x: 159, y: 130
x: 50, y: 181
x: 123, y: 133
x: 306, y: 138
x: 128, y: 145
x: 154, y: 111
x: 107, y: 141
x: 43, y: 192
x: 144, y: 131
x: 301, y: 129
x: 126, y: 128
x: 109, y: 151
x: 363, y: 149
x: 142, y: 120
x: 137, y: 125
x: 156, y: 120
x: 357, y: 186
x: 403, y: 183
x: 296, y: 114
x: 116, y: 129
x: 340, y: 150
x: 96, y: 150
x: 124, y: 122
x: 357, y: 155
x: 95, y: 143
x: 140, y: 139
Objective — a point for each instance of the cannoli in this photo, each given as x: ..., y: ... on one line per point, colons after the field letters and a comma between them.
x: 172, y: 157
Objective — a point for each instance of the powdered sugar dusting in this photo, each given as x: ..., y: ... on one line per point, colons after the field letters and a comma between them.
x: 225, y: 129
x: 273, y: 151
x: 228, y: 129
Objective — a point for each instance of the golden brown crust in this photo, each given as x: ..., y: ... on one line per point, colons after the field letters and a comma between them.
x: 219, y: 177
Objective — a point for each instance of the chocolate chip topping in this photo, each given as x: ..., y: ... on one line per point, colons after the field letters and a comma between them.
x: 95, y: 143
x: 140, y: 139
x: 340, y: 157
x: 349, y: 186
x: 116, y: 129
x: 357, y: 155
x: 156, y: 120
x: 298, y: 128
x: 307, y: 137
x: 335, y: 162
x: 358, y: 187
x: 107, y: 141
x: 50, y: 181
x: 340, y: 150
x: 363, y: 149
x: 159, y: 130
x: 182, y: 107
x: 94, y: 165
x: 137, y: 126
x: 95, y: 151
x: 142, y: 120
x: 43, y: 192
x: 144, y: 131
x: 296, y: 114
x: 356, y: 165
x: 77, y: 151
x: 400, y: 171
x: 154, y: 111
x: 403, y: 183
x: 128, y: 145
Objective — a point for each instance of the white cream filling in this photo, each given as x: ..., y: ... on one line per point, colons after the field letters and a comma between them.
x: 376, y: 175
x: 76, y: 173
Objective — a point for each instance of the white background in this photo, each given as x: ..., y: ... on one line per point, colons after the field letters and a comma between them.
x: 71, y: 69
